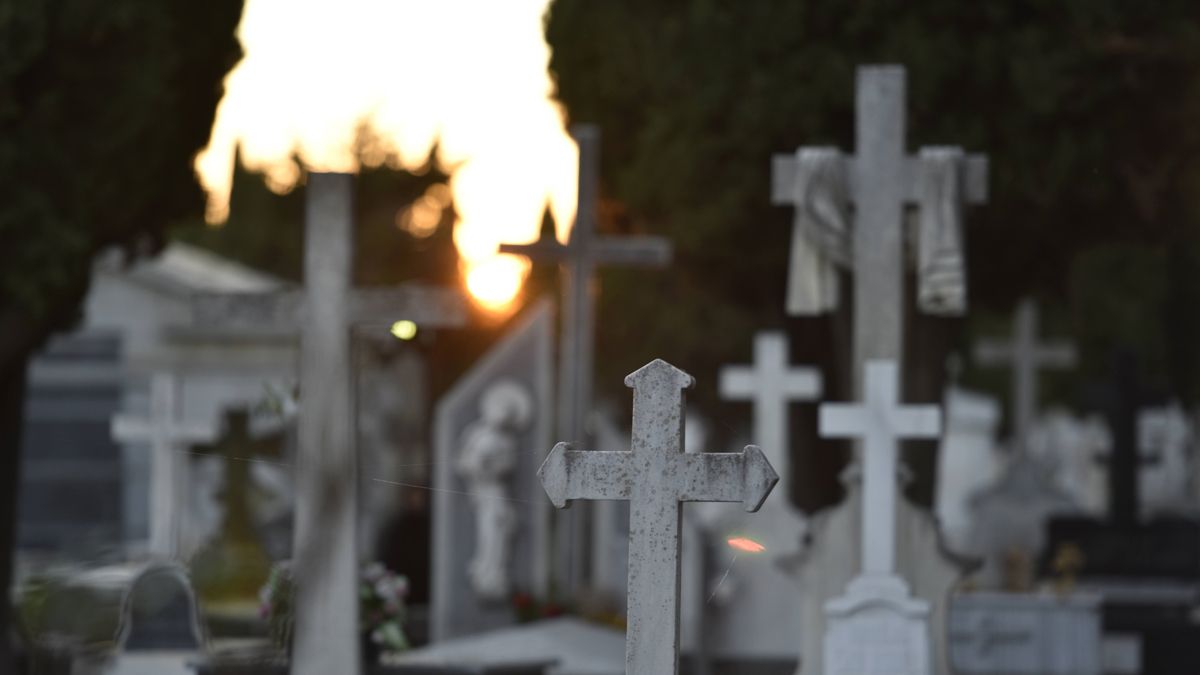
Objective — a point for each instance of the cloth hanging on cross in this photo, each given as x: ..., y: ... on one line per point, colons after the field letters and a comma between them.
x: 941, y: 261
x: 820, y: 231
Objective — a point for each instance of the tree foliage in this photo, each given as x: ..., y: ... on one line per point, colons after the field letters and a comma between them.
x: 1085, y: 109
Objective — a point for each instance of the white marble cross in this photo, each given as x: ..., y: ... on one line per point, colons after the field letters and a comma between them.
x: 167, y: 435
x: 583, y: 252
x: 879, y: 421
x: 882, y: 180
x: 771, y: 384
x: 655, y: 475
x: 1027, y: 356
x: 326, y: 638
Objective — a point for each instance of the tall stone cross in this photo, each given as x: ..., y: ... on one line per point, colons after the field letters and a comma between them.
x: 772, y: 384
x: 326, y: 628
x: 584, y: 251
x: 167, y: 435
x: 881, y: 181
x: 879, y: 421
x: 655, y: 475
x: 1026, y: 356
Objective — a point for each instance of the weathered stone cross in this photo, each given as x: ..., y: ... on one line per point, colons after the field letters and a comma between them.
x: 655, y: 475
x: 882, y: 180
x: 326, y: 629
x: 167, y: 436
x: 1026, y: 355
x: 879, y: 421
x: 583, y: 252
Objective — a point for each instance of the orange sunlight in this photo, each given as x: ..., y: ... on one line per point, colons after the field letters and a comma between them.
x: 745, y: 545
x: 469, y: 75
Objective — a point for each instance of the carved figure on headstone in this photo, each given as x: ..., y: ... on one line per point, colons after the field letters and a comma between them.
x: 488, y: 455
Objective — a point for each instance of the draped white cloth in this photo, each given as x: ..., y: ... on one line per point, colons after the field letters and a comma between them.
x: 941, y: 258
x: 820, y: 231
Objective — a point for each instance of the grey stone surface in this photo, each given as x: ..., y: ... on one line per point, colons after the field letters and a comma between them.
x: 523, y: 357
x: 655, y: 475
x: 1026, y: 634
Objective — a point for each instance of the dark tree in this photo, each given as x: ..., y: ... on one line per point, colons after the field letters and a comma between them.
x: 103, y: 105
x: 1086, y: 109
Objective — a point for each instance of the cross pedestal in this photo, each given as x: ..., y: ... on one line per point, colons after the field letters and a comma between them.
x: 655, y: 475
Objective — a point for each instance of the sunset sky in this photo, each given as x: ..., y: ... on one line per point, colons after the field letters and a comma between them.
x: 468, y: 73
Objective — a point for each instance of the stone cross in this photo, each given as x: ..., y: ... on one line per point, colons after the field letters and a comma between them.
x: 882, y: 181
x: 167, y: 435
x: 879, y: 421
x: 326, y: 628
x: 584, y: 251
x: 1027, y: 356
x: 655, y: 475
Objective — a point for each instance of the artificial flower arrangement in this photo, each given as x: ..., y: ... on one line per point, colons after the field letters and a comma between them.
x: 380, y: 607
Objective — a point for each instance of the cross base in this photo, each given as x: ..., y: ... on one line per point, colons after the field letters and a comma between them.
x: 877, y: 627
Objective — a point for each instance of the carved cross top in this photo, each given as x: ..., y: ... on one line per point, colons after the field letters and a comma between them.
x: 879, y: 421
x: 655, y: 475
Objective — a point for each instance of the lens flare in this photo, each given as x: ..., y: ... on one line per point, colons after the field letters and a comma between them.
x: 745, y: 545
x: 404, y: 330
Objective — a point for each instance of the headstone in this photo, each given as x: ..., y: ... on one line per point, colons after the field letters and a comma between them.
x: 326, y: 636
x: 656, y: 476
x: 877, y: 626
x: 490, y: 527
x: 1147, y: 570
x: 1026, y: 356
x: 583, y: 253
x: 761, y: 619
x: 880, y: 181
x: 967, y: 460
x: 167, y: 435
x: 1166, y: 442
x: 1026, y: 634
x: 71, y: 471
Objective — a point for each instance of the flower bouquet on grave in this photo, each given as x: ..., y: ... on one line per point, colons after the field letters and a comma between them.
x: 380, y: 608
x: 381, y: 611
x: 527, y: 608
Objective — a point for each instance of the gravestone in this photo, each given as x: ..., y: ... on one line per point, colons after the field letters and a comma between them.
x: 519, y: 367
x: 877, y: 626
x: 656, y: 476
x: 967, y: 460
x: 1026, y: 356
x: 325, y: 314
x: 167, y: 435
x: 1147, y: 570
x: 71, y: 472
x: 1026, y: 634
x: 880, y: 181
x: 584, y: 251
x: 761, y: 619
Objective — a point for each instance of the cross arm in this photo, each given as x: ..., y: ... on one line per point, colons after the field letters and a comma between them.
x: 1056, y: 354
x: 642, y: 251
x: 423, y: 304
x: 569, y: 474
x: 840, y: 420
x: 975, y: 178
x: 542, y: 250
x: 282, y: 309
x: 993, y: 353
x: 745, y: 477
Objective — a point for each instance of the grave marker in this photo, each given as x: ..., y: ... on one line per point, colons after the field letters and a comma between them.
x: 655, y: 475
x: 167, y: 436
x: 877, y: 627
x: 325, y: 551
x: 579, y: 257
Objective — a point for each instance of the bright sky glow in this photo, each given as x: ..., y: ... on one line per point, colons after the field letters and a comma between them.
x: 470, y: 74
